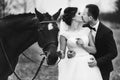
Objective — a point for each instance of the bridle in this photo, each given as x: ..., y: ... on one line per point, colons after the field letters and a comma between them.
x: 48, y: 21
x: 49, y: 43
x: 45, y: 46
x: 45, y: 52
x: 10, y: 65
x: 45, y: 22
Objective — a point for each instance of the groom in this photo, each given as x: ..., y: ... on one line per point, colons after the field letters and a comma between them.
x: 104, y: 41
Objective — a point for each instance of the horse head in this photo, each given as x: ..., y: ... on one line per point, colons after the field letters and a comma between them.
x: 48, y: 35
x: 18, y: 32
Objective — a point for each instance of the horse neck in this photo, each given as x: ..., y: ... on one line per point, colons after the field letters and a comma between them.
x: 20, y: 38
x: 15, y: 45
x: 19, y: 22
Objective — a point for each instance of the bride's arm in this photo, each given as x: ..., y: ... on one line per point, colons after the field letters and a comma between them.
x: 90, y: 48
x: 63, y: 42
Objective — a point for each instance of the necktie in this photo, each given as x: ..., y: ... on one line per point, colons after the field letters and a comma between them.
x: 92, y: 31
x: 91, y: 28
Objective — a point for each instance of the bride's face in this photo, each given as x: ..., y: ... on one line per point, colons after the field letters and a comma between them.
x: 78, y: 17
x: 77, y: 20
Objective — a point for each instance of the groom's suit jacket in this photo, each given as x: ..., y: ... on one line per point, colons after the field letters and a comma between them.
x: 106, y: 48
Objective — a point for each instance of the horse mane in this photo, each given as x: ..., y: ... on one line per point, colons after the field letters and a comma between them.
x: 17, y: 23
x: 12, y: 16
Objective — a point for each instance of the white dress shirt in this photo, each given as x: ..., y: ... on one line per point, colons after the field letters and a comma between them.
x: 96, y: 27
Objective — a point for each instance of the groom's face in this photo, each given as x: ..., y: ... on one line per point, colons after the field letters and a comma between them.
x: 85, y: 17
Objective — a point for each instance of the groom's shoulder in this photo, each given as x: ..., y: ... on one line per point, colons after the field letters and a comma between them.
x: 105, y: 27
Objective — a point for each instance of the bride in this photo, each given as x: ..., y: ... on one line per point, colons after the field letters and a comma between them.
x: 76, y: 48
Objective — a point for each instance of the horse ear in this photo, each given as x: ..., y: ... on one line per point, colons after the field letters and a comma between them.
x: 39, y: 15
x: 56, y: 15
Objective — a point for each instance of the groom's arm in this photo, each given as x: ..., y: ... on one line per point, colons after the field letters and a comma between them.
x: 111, y: 49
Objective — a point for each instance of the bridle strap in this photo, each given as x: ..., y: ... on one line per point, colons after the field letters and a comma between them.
x: 2, y: 46
x: 39, y: 68
x: 57, y: 54
x: 55, y: 63
x: 29, y: 58
x: 3, y: 49
x: 45, y: 46
x: 47, y: 22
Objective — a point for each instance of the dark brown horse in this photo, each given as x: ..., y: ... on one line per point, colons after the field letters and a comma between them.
x: 18, y: 32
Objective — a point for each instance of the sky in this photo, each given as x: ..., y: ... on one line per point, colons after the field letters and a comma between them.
x: 52, y: 6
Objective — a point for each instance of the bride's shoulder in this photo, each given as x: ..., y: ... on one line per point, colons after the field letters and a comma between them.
x: 63, y: 25
x: 86, y: 28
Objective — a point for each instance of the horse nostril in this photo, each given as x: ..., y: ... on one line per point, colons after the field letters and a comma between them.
x: 52, y: 58
x: 79, y: 13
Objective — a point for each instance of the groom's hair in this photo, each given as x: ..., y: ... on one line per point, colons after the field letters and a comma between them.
x: 93, y: 10
x: 69, y: 13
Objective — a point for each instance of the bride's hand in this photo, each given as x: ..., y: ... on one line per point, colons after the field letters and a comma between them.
x: 92, y: 62
x: 61, y: 54
x: 79, y: 42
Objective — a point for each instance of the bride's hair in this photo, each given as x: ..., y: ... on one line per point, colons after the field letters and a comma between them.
x: 69, y: 13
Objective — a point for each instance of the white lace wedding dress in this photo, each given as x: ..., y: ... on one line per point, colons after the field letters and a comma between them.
x: 77, y: 68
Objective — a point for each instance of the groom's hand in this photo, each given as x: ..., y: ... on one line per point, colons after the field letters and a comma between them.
x: 92, y: 62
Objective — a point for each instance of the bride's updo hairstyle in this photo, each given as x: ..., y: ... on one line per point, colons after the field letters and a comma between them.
x: 69, y: 13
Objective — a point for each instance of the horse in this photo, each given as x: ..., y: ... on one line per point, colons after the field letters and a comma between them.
x: 18, y: 32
